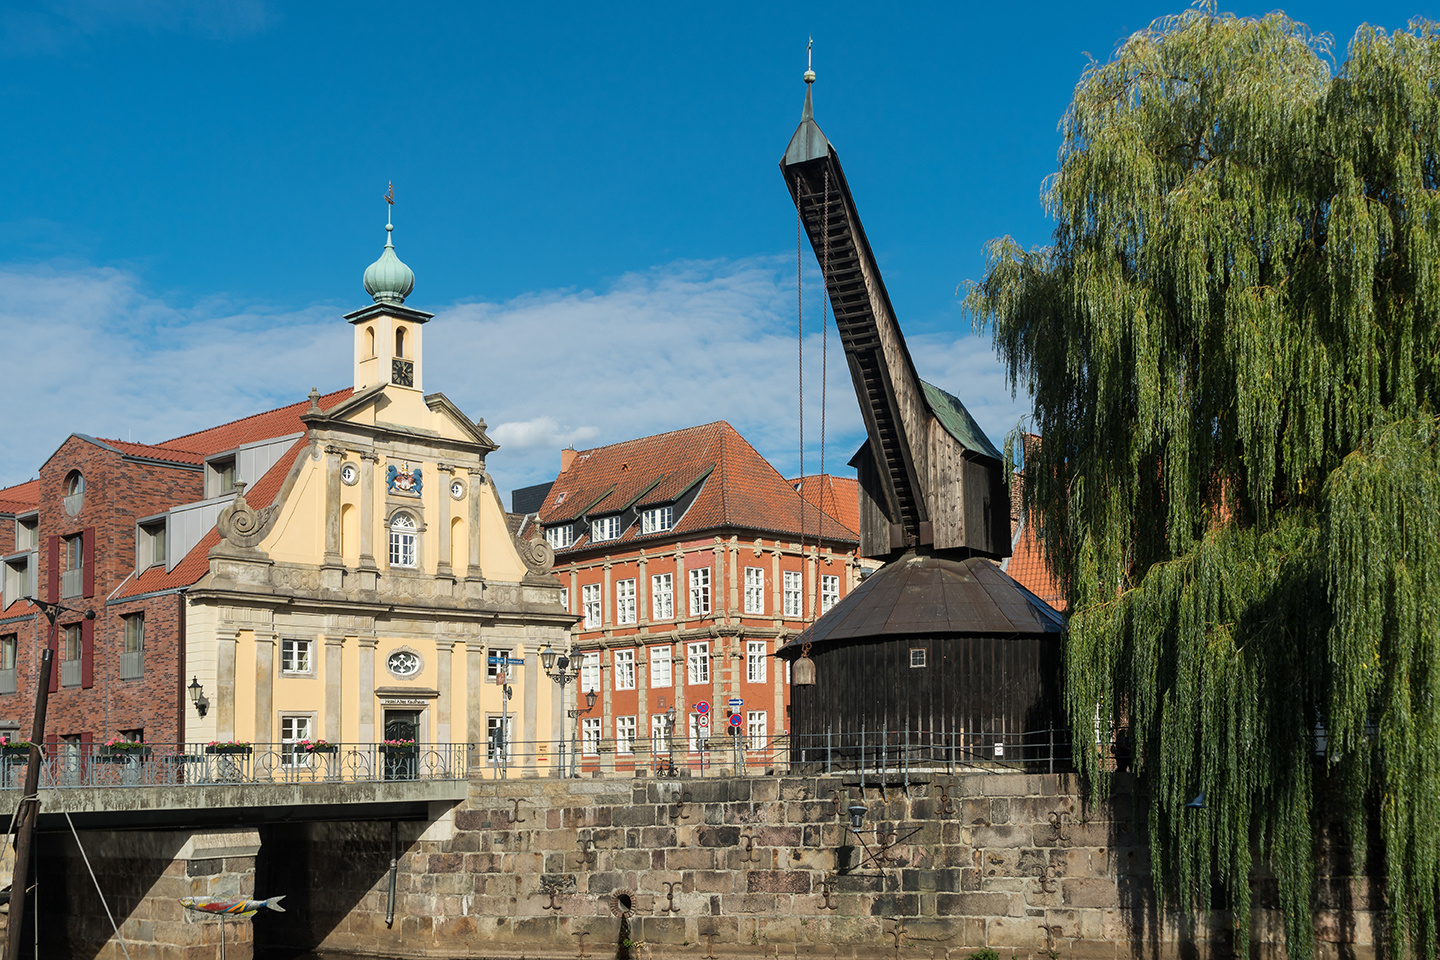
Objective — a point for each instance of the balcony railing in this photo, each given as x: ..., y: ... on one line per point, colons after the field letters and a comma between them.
x: 160, y: 764
x: 72, y: 582
x: 132, y: 665
x: 70, y: 673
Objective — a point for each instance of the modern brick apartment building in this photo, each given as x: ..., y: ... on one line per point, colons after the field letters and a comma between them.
x: 689, y: 559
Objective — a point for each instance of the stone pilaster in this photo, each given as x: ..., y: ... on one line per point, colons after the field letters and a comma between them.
x: 444, y: 652
x: 445, y: 473
x: 265, y: 688
x: 474, y: 686
x: 225, y: 680
x: 367, y: 690
x: 332, y: 569
x: 477, y: 487
x: 369, y: 463
x: 332, y: 728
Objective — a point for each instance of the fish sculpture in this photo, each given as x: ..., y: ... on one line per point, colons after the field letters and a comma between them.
x: 240, y: 907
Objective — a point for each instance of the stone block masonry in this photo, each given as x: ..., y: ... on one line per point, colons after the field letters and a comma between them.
x: 756, y: 867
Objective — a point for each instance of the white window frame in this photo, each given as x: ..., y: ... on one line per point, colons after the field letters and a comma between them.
x: 404, y: 542
x: 493, y: 722
x: 625, y: 601
x: 297, y: 656
x: 697, y: 662
x: 661, y: 668
x: 590, y: 732
x: 593, y: 605
x: 756, y: 655
x: 301, y: 726
x: 662, y: 596
x: 696, y: 735
x: 755, y: 590
x: 794, y: 593
x: 624, y: 669
x: 492, y: 669
x: 657, y: 519
x: 590, y: 671
x: 560, y: 537
x: 829, y: 591
x: 605, y: 528
x: 658, y: 723
x: 625, y: 732
x: 757, y: 733
x: 700, y: 592
x: 565, y: 598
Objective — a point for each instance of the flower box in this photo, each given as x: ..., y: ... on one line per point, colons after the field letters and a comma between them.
x: 229, y: 748
x: 124, y: 750
x: 318, y: 748
x: 13, y: 751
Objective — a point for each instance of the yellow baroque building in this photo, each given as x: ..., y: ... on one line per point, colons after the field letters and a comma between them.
x: 360, y: 586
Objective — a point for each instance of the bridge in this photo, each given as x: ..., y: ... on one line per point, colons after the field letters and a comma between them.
x: 203, y: 785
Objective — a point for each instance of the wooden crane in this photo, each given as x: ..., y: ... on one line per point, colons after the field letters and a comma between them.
x: 930, y: 480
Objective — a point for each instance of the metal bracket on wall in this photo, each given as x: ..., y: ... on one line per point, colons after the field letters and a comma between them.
x: 587, y: 853
x: 679, y: 812
x: 515, y: 815
x: 827, y: 887
x: 710, y: 947
x: 947, y: 806
x: 1057, y: 821
x: 839, y: 804
x: 582, y: 934
x: 749, y: 849
x: 552, y: 905
x: 670, y: 895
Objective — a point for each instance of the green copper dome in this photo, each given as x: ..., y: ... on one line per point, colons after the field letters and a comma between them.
x: 388, y: 279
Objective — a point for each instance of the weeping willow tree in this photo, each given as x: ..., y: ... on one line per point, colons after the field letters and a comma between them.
x: 1232, y: 348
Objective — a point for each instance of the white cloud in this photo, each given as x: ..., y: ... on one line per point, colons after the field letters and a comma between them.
x: 657, y: 350
x: 51, y: 27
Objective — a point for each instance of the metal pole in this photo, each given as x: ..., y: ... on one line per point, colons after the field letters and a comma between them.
x: 905, y: 760
x: 29, y: 813
x: 829, y: 745
x: 862, y: 760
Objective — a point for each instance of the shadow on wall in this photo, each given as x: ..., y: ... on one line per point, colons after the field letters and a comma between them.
x: 321, y: 889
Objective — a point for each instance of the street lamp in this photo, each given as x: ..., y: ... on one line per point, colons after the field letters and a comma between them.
x: 197, y: 697
x: 670, y: 741
x: 558, y: 667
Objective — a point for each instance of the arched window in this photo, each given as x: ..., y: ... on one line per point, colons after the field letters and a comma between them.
x: 370, y: 341
x: 402, y: 541
x: 74, y: 492
x: 399, y: 341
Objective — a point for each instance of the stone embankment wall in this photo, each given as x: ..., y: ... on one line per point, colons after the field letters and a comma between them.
x: 752, y: 868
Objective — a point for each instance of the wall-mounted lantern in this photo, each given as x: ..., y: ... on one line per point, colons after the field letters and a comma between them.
x: 857, y: 816
x: 197, y: 697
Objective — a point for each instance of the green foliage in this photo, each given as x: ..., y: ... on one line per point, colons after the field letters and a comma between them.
x: 1233, y: 350
x: 985, y: 953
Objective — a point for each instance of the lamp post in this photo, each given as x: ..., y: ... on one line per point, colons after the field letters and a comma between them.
x: 562, y: 669
x: 197, y: 697
x: 670, y: 742
x: 574, y: 714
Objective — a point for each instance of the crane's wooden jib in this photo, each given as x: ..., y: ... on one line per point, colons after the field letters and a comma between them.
x: 921, y: 486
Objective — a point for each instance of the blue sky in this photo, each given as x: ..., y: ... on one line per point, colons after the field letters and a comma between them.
x: 588, y: 195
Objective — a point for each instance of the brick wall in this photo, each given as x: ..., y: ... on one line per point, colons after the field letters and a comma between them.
x: 117, y: 492
x: 758, y: 867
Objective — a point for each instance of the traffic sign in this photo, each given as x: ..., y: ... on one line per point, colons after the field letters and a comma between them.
x: 704, y: 722
x: 735, y: 720
x: 703, y: 707
x: 736, y: 703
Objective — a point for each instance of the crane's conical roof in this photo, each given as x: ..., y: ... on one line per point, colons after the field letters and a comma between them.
x: 923, y: 594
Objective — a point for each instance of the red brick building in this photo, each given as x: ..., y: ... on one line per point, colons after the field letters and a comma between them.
x: 689, y: 560
x: 111, y: 528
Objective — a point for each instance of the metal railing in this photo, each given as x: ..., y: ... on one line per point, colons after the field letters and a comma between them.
x: 7, y: 681
x: 70, y: 675
x: 880, y: 754
x: 132, y: 665
x: 155, y: 764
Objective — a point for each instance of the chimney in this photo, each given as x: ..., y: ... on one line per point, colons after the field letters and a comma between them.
x: 567, y: 457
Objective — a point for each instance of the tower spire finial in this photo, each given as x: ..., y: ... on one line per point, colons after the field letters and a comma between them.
x: 389, y: 206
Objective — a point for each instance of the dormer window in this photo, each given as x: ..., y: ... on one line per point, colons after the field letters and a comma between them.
x: 606, y: 528
x: 220, y: 476
x: 657, y: 519
x: 150, y: 548
x: 561, y: 536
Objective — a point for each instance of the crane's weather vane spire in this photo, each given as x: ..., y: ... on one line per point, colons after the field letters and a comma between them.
x: 810, y: 61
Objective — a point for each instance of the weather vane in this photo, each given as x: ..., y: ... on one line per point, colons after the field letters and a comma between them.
x: 809, y: 58
x: 390, y: 193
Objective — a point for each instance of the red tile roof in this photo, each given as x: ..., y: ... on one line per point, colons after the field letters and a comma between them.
x: 837, y: 496
x: 1026, y: 563
x: 197, y: 562
x: 262, y: 426
x: 168, y: 453
x: 21, y: 498
x: 740, y: 487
